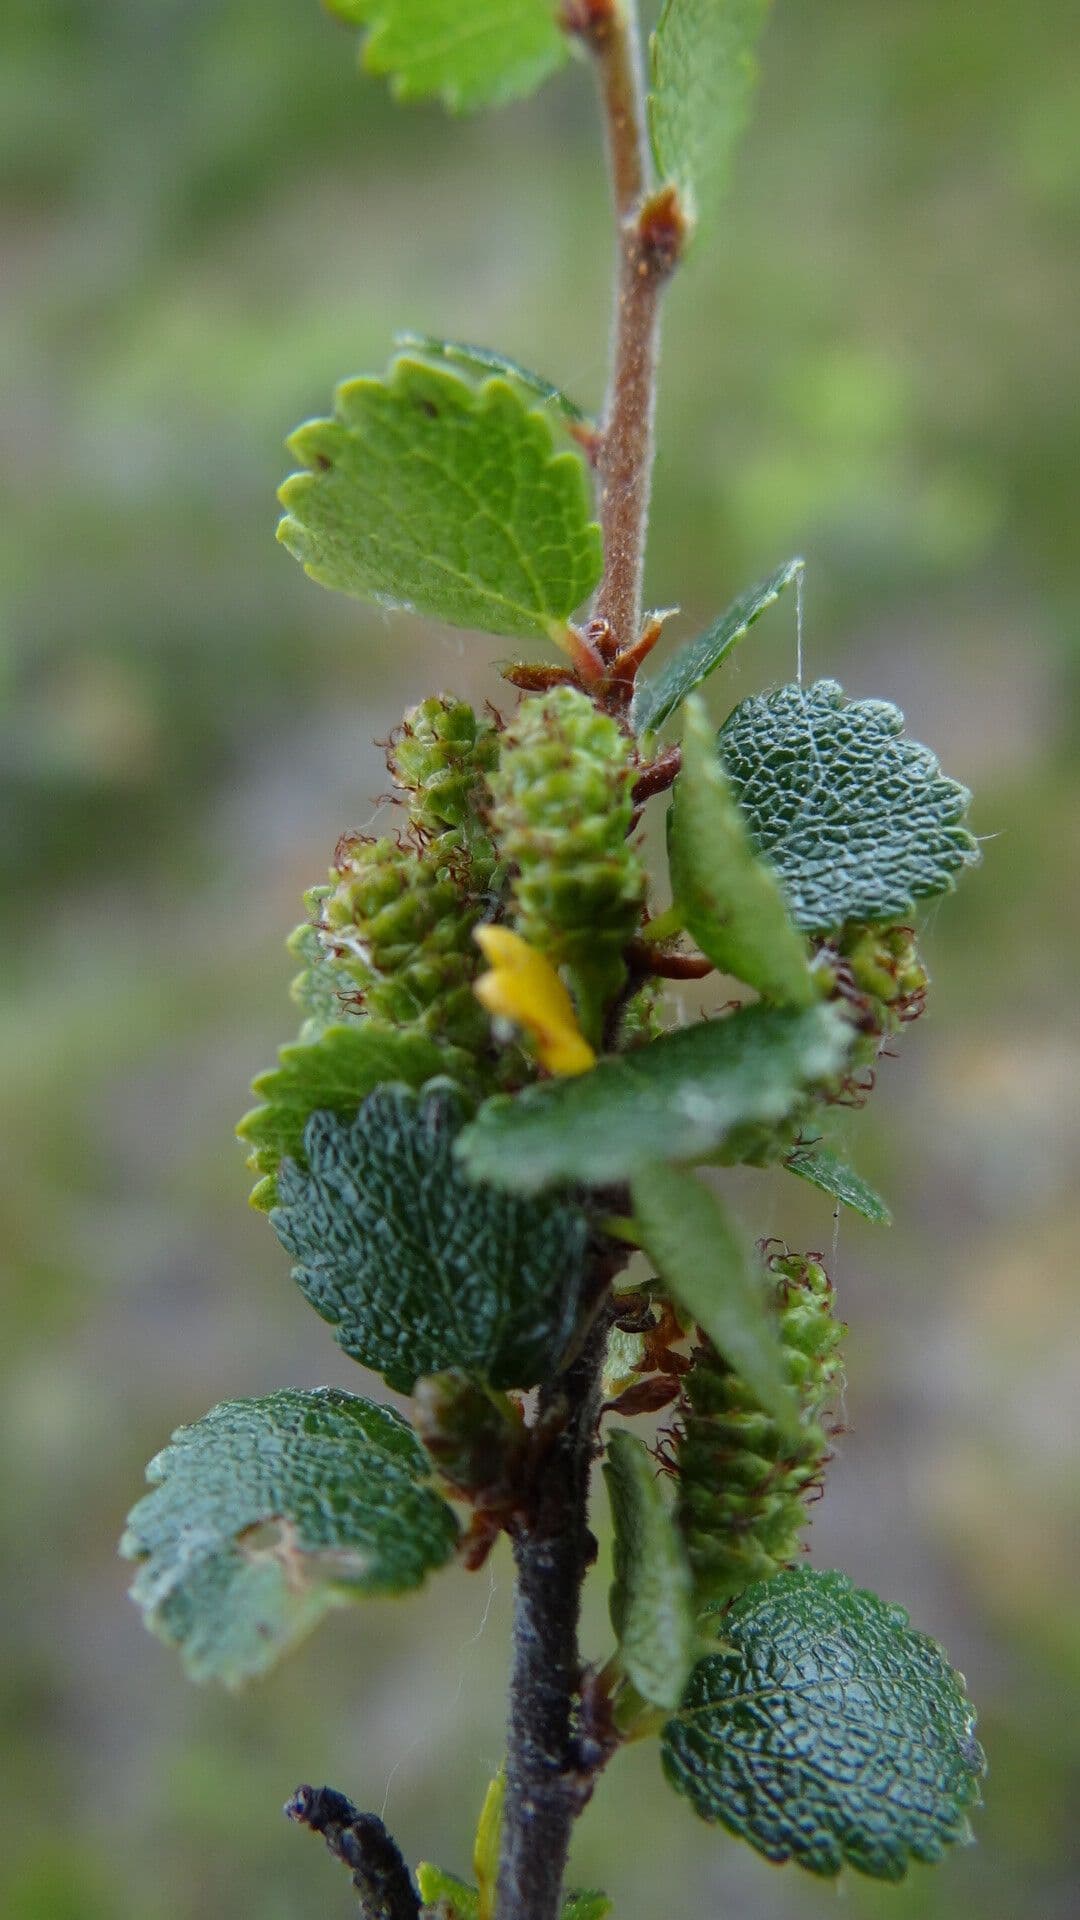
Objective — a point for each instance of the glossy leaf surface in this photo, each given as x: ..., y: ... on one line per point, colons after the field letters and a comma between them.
x: 681, y: 1096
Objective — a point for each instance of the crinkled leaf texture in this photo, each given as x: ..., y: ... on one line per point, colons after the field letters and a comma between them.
x: 656, y: 700
x: 730, y: 899
x: 859, y: 822
x: 703, y: 73
x: 680, y: 1096
x: 467, y: 53
x: 652, y: 1595
x: 824, y: 1169
x: 415, y: 1266
x: 331, y: 1074
x: 429, y: 491
x: 267, y: 1512
x: 827, y: 1731
x: 704, y: 1260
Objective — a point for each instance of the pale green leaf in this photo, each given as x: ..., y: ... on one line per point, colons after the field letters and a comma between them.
x: 417, y: 1268
x: 859, y: 822
x: 826, y: 1170
x: 680, y: 1096
x: 487, y: 1846
x: 729, y: 898
x: 715, y: 1278
x: 652, y: 1596
x: 266, y: 1513
x: 451, y: 1898
x: 431, y: 492
x: 703, y: 73
x: 482, y: 361
x: 656, y: 700
x: 467, y: 53
x: 331, y: 1074
x: 827, y: 1731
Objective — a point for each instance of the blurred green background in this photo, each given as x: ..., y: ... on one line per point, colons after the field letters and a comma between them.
x: 209, y: 217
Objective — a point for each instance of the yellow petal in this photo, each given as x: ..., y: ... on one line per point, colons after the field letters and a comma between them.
x: 524, y: 987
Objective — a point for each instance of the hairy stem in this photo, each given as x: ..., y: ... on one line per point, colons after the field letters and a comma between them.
x: 624, y: 458
x: 546, y: 1783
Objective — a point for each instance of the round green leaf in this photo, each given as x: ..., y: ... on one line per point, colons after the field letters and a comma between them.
x: 428, y: 491
x: 859, y: 822
x: 267, y: 1512
x: 468, y: 56
x: 826, y: 1730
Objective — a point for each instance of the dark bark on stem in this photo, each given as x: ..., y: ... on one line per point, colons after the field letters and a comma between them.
x: 546, y: 1783
x: 360, y: 1841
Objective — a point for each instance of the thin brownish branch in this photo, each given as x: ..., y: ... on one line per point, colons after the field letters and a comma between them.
x: 649, y: 236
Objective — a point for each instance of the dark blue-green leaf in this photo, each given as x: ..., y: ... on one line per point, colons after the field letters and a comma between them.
x: 859, y: 822
x: 678, y: 1097
x: 416, y: 1267
x: 827, y: 1731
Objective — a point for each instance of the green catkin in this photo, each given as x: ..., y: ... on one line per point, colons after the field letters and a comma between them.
x: 561, y: 808
x: 391, y: 935
x: 441, y: 757
x: 399, y: 925
x: 742, y: 1490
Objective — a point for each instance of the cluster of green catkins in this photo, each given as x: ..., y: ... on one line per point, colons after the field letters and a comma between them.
x: 742, y: 1485
x: 392, y: 934
x: 528, y: 825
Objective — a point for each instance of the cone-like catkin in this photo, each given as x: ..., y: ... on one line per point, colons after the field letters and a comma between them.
x: 560, y: 813
x: 392, y: 933
x: 742, y: 1489
x: 441, y: 757
x: 398, y: 925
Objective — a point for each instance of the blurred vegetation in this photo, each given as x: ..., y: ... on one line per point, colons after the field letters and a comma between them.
x: 208, y: 219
